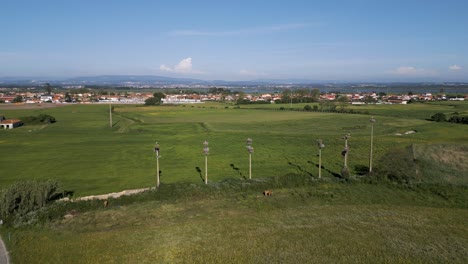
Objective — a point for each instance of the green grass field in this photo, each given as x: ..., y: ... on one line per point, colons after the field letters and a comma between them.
x: 229, y: 221
x: 83, y: 153
x: 316, y: 222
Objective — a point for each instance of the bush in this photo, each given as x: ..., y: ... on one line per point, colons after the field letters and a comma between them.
x: 307, y: 108
x: 42, y: 118
x: 439, y: 117
x: 398, y: 165
x: 153, y: 101
x: 459, y: 119
x: 18, y: 99
x: 24, y: 197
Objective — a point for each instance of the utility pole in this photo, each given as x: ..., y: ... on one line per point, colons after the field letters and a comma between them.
x: 345, y: 171
x: 320, y: 146
x: 206, y: 151
x: 156, y: 150
x: 346, y: 149
x: 110, y: 111
x: 372, y: 121
x: 290, y: 98
x: 250, y: 149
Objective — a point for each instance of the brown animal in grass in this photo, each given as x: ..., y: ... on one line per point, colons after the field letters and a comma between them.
x: 106, y: 203
x: 267, y: 192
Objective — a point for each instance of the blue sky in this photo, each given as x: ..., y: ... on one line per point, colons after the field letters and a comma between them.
x: 237, y: 40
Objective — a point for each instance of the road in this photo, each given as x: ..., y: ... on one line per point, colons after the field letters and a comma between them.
x: 3, y: 253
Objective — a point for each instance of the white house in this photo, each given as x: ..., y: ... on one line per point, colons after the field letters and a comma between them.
x: 46, y: 98
x: 9, y: 123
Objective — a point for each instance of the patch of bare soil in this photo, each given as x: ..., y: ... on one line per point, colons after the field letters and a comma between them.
x: 29, y: 106
x: 450, y: 155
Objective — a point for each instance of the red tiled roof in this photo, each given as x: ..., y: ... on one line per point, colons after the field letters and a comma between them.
x: 10, y: 121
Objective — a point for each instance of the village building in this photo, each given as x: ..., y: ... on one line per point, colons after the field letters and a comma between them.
x: 9, y: 123
x: 7, y: 99
x: 46, y: 98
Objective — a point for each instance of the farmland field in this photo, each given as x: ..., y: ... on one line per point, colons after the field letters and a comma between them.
x: 85, y: 155
x: 229, y: 221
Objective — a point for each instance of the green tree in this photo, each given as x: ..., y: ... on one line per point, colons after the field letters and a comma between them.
x: 41, y: 118
x: 301, y: 94
x: 439, y: 117
x: 286, y: 96
x: 48, y: 88
x: 369, y: 99
x: 240, y: 97
x: 156, y: 99
x: 315, y: 94
x: 153, y: 101
x: 18, y: 99
x: 44, y: 118
x: 343, y: 102
x: 382, y: 94
x: 68, y: 98
x: 159, y: 95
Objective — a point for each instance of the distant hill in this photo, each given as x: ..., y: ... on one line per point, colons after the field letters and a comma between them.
x: 149, y: 79
x: 142, y: 81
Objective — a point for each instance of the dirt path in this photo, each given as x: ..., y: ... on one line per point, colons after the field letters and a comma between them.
x: 4, y: 259
x: 108, y: 195
x: 29, y: 106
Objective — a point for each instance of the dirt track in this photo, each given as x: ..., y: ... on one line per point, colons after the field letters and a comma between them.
x: 29, y: 106
x: 4, y: 259
x: 108, y: 195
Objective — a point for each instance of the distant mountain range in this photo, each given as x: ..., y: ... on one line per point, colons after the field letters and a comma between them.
x: 158, y: 81
x: 143, y: 80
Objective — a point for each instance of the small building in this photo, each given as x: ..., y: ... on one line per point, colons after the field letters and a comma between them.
x: 47, y: 98
x: 9, y: 123
x: 7, y: 99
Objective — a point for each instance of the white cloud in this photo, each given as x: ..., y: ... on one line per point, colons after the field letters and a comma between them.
x: 413, y: 71
x: 165, y: 68
x: 455, y: 68
x: 245, y: 72
x: 184, y: 66
x: 250, y: 73
x: 406, y: 70
x: 238, y: 32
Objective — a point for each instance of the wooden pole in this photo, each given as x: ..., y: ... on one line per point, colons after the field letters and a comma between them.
x: 372, y: 139
x: 206, y: 169
x: 110, y: 112
x: 346, y: 154
x: 157, y: 170
x: 320, y: 163
x: 250, y: 166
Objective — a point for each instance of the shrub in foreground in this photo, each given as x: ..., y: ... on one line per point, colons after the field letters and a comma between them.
x: 24, y: 197
x: 398, y: 165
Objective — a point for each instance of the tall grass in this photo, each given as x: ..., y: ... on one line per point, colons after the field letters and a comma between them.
x: 231, y: 221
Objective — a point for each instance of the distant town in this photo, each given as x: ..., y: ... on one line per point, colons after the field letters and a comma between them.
x: 184, y: 95
x: 134, y: 89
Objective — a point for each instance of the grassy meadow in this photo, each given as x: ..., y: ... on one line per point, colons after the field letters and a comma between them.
x: 229, y: 221
x: 88, y: 157
x: 304, y: 221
